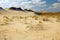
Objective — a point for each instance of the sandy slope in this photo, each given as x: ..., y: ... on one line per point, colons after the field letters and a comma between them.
x: 15, y: 25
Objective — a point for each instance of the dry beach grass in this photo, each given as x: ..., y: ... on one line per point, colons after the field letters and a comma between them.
x: 18, y: 25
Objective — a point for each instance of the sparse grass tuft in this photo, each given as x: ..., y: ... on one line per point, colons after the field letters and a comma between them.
x: 45, y: 19
x: 58, y: 19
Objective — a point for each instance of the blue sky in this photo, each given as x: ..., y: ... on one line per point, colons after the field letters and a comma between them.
x: 36, y: 5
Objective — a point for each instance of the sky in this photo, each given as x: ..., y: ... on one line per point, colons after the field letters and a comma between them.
x: 36, y: 5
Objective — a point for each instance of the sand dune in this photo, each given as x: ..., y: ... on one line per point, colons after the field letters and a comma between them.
x: 19, y: 25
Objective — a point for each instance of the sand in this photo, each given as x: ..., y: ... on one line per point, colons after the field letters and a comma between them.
x: 18, y: 25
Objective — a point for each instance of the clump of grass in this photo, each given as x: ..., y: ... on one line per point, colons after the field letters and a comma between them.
x: 6, y: 17
x: 15, y: 17
x: 37, y: 27
x: 53, y: 16
x: 21, y: 17
x: 58, y: 19
x: 40, y: 22
x: 4, y: 24
x: 3, y: 32
x: 5, y: 21
x: 35, y: 17
x: 45, y: 19
x: 25, y: 17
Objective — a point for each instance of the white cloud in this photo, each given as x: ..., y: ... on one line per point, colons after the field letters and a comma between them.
x: 32, y: 4
x: 8, y: 3
x: 25, y: 4
x: 36, y: 5
x: 58, y: 0
x: 4, y: 1
x: 56, y: 5
x: 38, y: 2
x: 54, y: 8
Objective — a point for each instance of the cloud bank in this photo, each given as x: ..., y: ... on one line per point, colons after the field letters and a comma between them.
x: 36, y: 5
x: 55, y: 7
